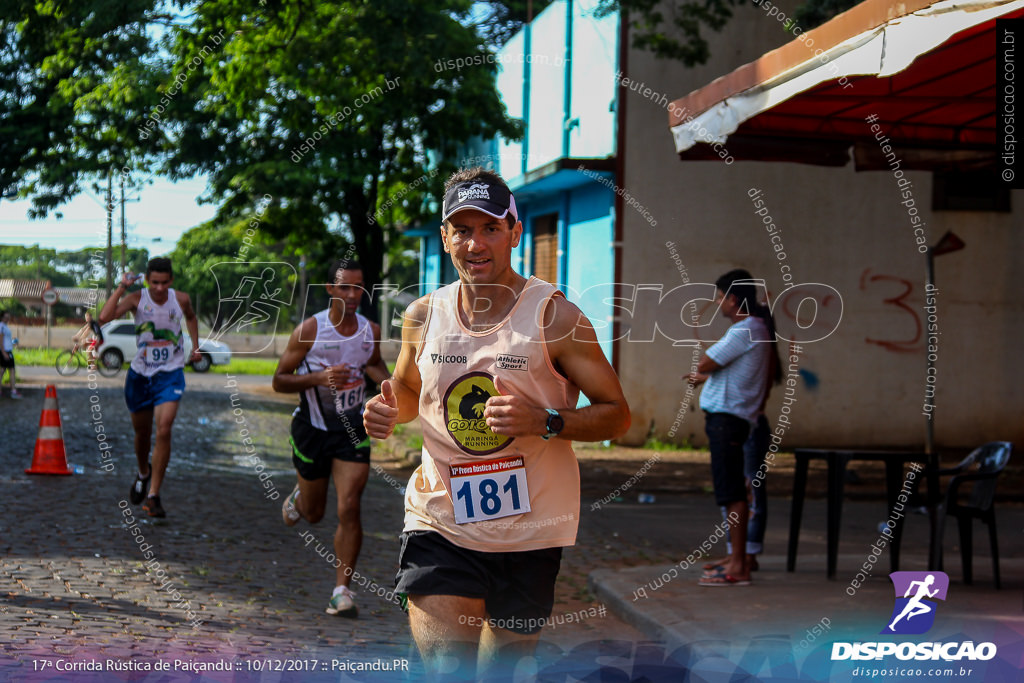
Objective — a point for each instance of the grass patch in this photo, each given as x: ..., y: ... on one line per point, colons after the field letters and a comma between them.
x: 246, y: 366
x: 36, y: 357
x: 656, y: 445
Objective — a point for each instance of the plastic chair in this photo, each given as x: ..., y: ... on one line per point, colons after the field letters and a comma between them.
x: 981, y: 468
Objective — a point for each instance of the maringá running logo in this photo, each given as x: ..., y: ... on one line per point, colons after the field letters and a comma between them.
x: 464, y: 405
x: 914, y: 612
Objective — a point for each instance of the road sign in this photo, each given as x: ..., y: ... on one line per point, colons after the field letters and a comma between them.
x: 50, y: 297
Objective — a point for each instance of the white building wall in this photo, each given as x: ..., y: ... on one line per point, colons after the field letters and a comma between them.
x: 865, y: 384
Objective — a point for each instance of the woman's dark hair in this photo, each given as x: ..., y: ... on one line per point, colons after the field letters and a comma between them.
x: 740, y: 284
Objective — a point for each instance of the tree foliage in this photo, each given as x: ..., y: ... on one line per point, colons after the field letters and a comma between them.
x: 323, y: 110
x: 72, y: 78
x: 211, y: 245
x: 318, y: 105
x: 33, y: 263
x: 678, y: 30
x: 499, y: 21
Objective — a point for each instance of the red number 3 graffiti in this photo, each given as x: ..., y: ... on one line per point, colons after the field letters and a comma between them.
x: 899, y: 345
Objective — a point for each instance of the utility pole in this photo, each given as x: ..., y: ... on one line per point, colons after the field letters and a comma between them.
x: 302, y: 286
x: 110, y: 234
x: 124, y: 234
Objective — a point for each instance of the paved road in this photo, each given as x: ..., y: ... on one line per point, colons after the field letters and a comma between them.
x: 74, y: 586
x: 77, y: 585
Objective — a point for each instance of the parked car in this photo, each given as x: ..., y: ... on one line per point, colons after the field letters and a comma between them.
x: 119, y: 345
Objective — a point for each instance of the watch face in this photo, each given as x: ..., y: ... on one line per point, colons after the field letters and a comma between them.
x: 555, y: 424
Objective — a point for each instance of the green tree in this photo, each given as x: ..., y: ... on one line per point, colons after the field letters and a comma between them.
x: 87, y: 265
x: 81, y: 268
x: 318, y: 105
x: 209, y: 248
x: 73, y: 76
x: 677, y: 30
x: 499, y: 21
x: 33, y: 263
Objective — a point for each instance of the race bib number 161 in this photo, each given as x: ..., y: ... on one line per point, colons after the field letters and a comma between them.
x: 489, y: 489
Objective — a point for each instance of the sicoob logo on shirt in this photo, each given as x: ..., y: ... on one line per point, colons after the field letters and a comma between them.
x: 464, y: 405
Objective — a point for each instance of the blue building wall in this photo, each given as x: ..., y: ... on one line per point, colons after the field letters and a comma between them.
x: 558, y: 75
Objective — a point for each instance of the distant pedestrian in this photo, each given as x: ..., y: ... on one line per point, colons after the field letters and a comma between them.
x: 755, y: 449
x: 156, y: 378
x: 326, y: 361
x: 90, y: 336
x: 7, y: 354
x: 735, y: 369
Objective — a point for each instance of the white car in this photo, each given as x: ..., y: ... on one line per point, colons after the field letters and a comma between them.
x: 119, y: 345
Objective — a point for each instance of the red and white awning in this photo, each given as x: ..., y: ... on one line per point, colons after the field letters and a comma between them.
x: 925, y: 69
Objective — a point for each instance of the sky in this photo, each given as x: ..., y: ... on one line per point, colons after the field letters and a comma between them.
x: 164, y: 212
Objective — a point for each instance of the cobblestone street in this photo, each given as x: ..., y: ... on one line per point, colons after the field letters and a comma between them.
x: 76, y: 585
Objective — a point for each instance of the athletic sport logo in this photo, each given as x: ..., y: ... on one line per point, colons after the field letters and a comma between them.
x: 914, y: 611
x: 464, y: 405
x: 474, y: 191
x: 506, y: 361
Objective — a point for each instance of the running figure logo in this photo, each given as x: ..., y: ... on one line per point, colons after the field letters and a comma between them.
x: 258, y: 293
x: 913, y: 613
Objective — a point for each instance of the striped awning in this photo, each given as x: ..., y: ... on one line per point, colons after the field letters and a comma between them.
x: 23, y: 289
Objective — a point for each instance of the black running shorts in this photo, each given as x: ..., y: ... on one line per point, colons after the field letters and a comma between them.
x: 518, y: 588
x: 314, y: 450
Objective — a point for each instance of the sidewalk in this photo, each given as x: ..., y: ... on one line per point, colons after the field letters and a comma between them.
x: 786, y: 623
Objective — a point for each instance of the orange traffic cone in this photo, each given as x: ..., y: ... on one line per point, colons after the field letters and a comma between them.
x: 50, y: 456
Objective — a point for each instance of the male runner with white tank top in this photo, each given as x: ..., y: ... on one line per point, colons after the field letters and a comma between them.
x: 493, y: 365
x: 326, y: 361
x: 156, y: 378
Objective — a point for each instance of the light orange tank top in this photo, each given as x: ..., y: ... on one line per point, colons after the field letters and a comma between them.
x: 474, y: 487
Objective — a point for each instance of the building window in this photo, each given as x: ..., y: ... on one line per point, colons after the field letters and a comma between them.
x: 545, y: 247
x: 969, y: 191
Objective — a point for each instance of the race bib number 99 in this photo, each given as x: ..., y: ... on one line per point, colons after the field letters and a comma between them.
x: 489, y: 489
x: 156, y: 353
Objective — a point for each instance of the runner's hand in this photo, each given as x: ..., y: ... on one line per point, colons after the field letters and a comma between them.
x: 512, y: 415
x: 336, y: 376
x: 381, y: 413
x: 195, y: 357
x: 128, y: 279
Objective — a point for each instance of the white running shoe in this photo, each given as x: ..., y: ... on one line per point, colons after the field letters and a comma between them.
x: 342, y: 604
x: 289, y: 512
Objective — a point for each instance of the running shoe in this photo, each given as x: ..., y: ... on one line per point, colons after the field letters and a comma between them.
x: 289, y: 512
x: 342, y: 604
x: 153, y: 508
x: 16, y: 394
x: 140, y: 487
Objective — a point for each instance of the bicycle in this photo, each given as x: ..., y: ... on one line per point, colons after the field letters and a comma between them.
x: 72, y: 360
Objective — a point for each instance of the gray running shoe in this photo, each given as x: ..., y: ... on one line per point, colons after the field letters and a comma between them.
x: 289, y: 512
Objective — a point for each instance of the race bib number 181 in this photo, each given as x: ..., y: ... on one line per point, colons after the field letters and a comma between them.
x: 489, y: 489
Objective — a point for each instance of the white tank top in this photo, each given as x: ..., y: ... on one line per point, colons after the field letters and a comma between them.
x: 333, y: 409
x: 480, y: 490
x: 158, y: 335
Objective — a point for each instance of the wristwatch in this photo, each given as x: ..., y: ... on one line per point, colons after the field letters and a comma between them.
x: 555, y: 424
